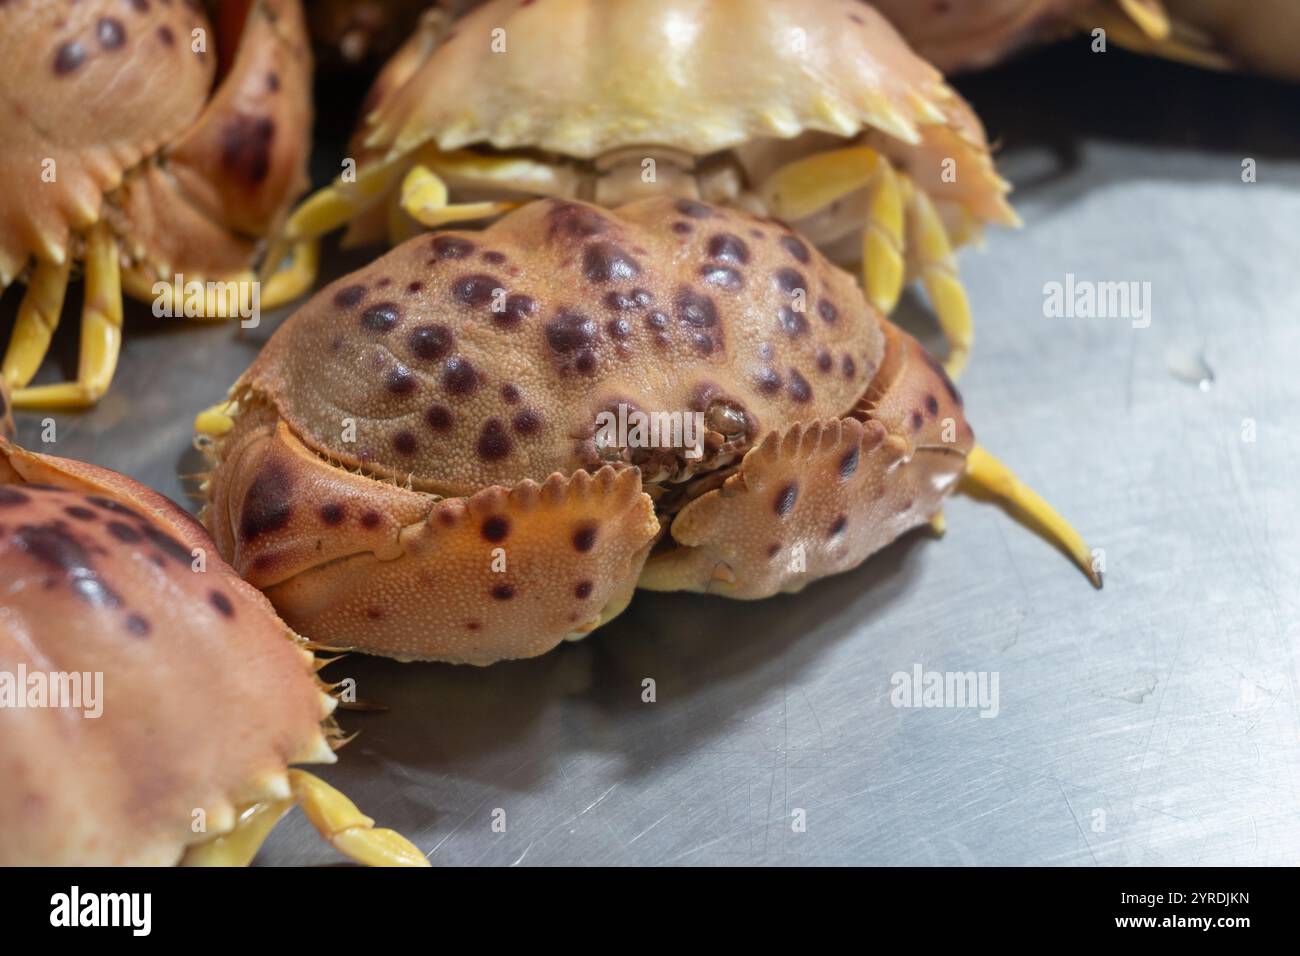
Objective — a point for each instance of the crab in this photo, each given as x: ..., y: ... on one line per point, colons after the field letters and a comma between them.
x: 205, y: 696
x: 812, y: 111
x: 1220, y: 34
x: 426, y: 461
x: 354, y: 32
x: 145, y: 147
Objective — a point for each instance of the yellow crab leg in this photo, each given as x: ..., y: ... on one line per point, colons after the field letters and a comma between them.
x: 987, y: 478
x: 424, y: 198
x: 349, y: 830
x: 1144, y: 28
x: 240, y: 845
x: 1149, y: 15
x: 215, y: 420
x: 290, y: 281
x: 883, y: 271
x: 515, y: 173
x: 338, y: 203
x: 101, y: 331
x: 802, y: 187
x: 38, y: 316
x: 929, y: 248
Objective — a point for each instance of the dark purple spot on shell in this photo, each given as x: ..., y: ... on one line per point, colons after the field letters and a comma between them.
x: 438, y: 417
x: 476, y: 289
x: 517, y: 308
x: 773, y: 550
x: 221, y: 603
x: 510, y: 393
x: 349, y: 296
x: 375, y: 613
x: 246, y: 143
x: 584, y: 537
x: 932, y: 405
x: 696, y: 210
x: 682, y: 228
x: 166, y: 36
x: 493, y: 441
x: 582, y: 590
x: 788, y: 279
x: 123, y: 532
x: 370, y: 520
x: 415, y: 287
x: 572, y: 220
x: 503, y: 592
x: 608, y: 262
x: 793, y: 324
x: 141, y: 6
x: 796, y: 248
x: 768, y: 381
x: 110, y: 33
x: 496, y: 528
x: 728, y: 248
x: 695, y: 309
x: 628, y: 301
x: 459, y: 376
x: 838, y: 525
x: 849, y: 366
x: 266, y: 506
x: 798, y: 387
x: 399, y: 380
x: 849, y: 463
x: 824, y: 362
x: 164, y: 542
x: 526, y: 422
x: 108, y: 504
x: 917, y: 421
x: 570, y: 332
x: 80, y: 513
x: 429, y: 342
x: 380, y: 317
x: 404, y: 442
x: 942, y: 373
x: 618, y: 328
x: 785, y: 499
x: 12, y: 496
x: 494, y: 257
x: 138, y: 626
x: 332, y: 513
x: 55, y: 548
x: 724, y: 277
x: 273, y: 82
x: 451, y: 247
x: 826, y: 309
x: 69, y: 57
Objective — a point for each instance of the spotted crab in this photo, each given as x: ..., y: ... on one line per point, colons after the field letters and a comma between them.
x: 205, y: 696
x: 143, y: 145
x: 812, y: 111
x: 1260, y: 35
x: 426, y: 459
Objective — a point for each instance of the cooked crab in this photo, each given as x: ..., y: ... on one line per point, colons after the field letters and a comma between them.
x: 202, y: 697
x: 148, y: 148
x: 438, y: 456
x: 968, y: 34
x: 813, y: 111
x: 355, y: 32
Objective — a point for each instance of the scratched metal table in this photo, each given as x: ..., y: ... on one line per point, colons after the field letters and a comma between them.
x: 1154, y: 722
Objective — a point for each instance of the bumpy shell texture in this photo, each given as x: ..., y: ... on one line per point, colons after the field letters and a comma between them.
x: 205, y: 700
x: 414, y: 467
x: 695, y: 75
x: 92, y: 88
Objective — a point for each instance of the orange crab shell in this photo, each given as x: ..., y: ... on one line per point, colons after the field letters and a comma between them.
x: 204, y: 700
x: 471, y: 519
x: 94, y: 90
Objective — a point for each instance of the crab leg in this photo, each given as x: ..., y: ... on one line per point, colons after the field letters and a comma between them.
x: 349, y: 830
x: 424, y: 198
x: 1143, y: 26
x: 290, y: 281
x: 929, y: 248
x: 38, y: 316
x: 240, y: 845
x: 987, y: 478
x: 101, y: 331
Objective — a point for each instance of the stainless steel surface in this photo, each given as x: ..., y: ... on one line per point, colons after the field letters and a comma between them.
x: 1155, y: 722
